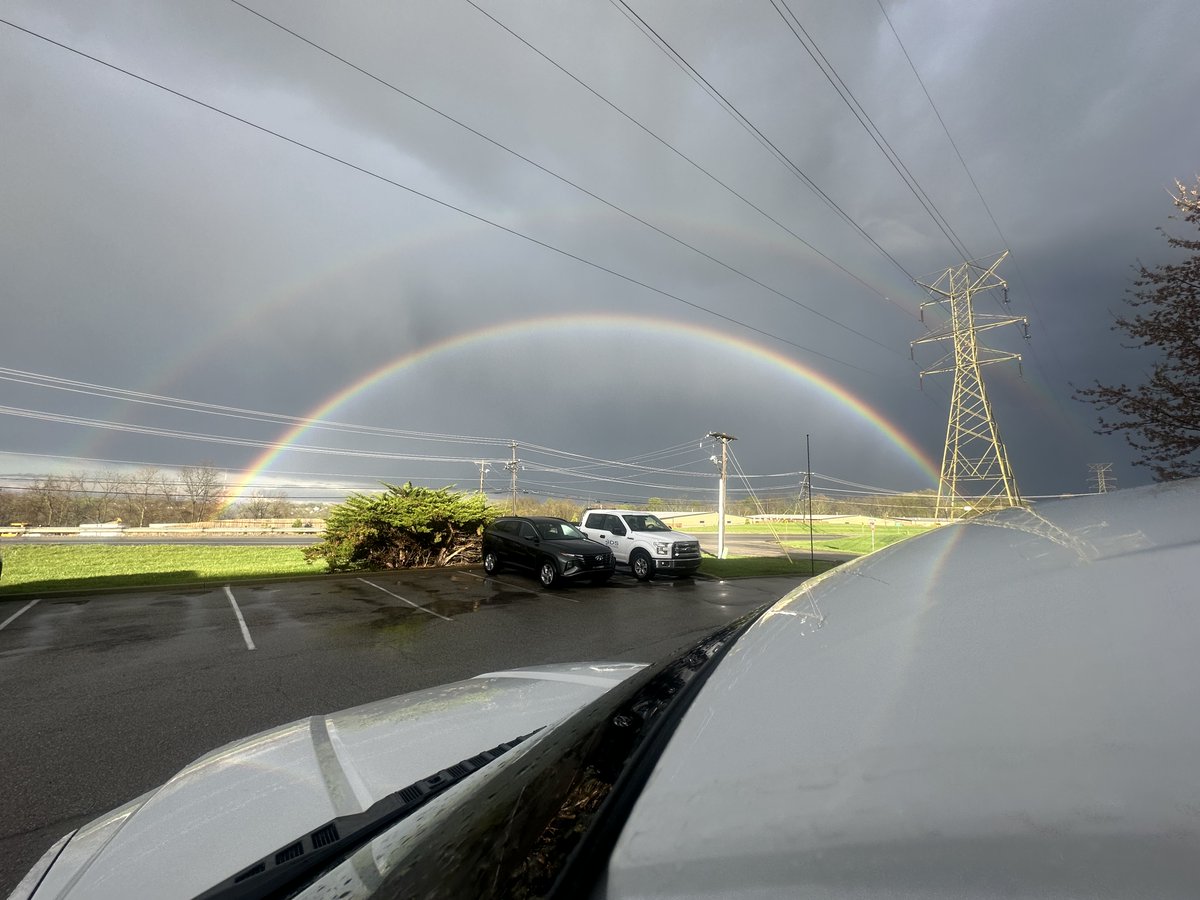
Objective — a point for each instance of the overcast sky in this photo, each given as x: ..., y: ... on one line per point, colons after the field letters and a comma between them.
x: 533, y: 223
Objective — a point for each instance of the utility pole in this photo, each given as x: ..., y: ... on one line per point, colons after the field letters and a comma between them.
x: 975, y: 470
x: 1102, y: 477
x: 512, y: 467
x: 724, y: 439
x: 483, y: 469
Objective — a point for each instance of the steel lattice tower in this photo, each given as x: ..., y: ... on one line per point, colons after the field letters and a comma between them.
x: 975, y: 471
x: 1102, y: 477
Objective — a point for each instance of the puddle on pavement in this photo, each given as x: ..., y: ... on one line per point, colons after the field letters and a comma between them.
x: 455, y: 606
x: 396, y: 621
x: 393, y: 616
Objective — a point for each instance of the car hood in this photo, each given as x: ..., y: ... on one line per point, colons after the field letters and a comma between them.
x: 1003, y: 707
x: 233, y: 806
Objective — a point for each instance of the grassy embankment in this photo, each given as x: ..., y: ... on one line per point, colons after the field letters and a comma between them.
x: 71, y: 567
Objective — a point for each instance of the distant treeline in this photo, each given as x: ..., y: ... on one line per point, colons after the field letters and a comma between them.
x: 198, y: 494
x: 137, y: 499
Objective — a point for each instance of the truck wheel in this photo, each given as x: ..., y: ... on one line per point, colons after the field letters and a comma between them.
x: 548, y: 573
x: 491, y: 562
x: 642, y: 565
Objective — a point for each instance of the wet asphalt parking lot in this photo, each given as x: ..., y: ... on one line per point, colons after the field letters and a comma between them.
x: 103, y: 697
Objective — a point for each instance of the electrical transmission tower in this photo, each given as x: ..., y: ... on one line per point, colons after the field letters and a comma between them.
x: 975, y: 471
x: 1103, y: 479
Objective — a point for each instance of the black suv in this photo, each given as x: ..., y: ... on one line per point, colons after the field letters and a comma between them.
x: 554, y: 548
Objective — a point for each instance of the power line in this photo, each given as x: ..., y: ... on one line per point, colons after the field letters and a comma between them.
x: 153, y: 431
x: 567, y: 181
x: 443, y: 203
x: 689, y: 453
x: 979, y: 192
x: 750, y: 127
x: 827, y: 69
x: 695, y: 165
x: 141, y: 397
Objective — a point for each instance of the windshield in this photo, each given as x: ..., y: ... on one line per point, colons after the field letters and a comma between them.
x: 559, y: 531
x: 647, y: 523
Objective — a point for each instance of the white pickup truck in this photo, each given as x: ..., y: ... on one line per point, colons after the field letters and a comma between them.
x: 642, y: 542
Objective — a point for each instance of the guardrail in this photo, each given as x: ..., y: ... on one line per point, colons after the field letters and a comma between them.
x: 106, y: 530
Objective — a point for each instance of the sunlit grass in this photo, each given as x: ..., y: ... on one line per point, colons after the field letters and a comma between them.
x: 60, y: 567
x: 863, y: 541
x: 86, y: 567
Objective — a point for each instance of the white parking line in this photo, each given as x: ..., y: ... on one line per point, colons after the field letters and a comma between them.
x: 519, y: 587
x: 18, y: 612
x: 406, y: 600
x: 237, y: 612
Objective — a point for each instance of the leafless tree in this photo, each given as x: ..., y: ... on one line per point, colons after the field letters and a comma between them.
x: 50, y: 495
x: 142, y: 494
x: 203, y: 488
x: 1160, y: 418
x: 265, y: 505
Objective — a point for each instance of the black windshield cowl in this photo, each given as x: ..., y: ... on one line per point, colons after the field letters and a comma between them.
x: 634, y: 739
x: 543, y: 820
x: 291, y: 866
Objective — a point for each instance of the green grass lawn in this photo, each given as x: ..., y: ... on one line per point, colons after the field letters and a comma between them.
x: 860, y: 541
x: 758, y: 528
x: 61, y: 567
x: 93, y: 567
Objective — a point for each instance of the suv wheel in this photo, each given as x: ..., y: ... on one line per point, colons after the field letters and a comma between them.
x: 491, y: 562
x: 642, y: 565
x: 548, y: 573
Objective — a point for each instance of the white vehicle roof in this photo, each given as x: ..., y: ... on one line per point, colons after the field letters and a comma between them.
x: 1006, y: 707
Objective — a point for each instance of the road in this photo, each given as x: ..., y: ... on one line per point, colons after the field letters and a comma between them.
x: 768, y: 545
x: 104, y: 697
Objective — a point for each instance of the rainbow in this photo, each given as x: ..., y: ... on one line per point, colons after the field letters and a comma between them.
x: 525, y: 327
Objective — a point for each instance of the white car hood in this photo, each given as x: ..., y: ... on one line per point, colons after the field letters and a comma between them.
x: 247, y: 799
x: 1007, y: 707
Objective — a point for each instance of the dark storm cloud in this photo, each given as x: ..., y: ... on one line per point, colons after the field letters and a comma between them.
x: 152, y: 244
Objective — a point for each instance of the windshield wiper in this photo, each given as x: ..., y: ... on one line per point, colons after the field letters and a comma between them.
x: 302, y: 859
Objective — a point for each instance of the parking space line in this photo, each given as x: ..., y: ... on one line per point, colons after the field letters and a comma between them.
x: 242, y: 622
x: 520, y: 587
x: 18, y: 612
x: 406, y: 600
